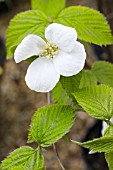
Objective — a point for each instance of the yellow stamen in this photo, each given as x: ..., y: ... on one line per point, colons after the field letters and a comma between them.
x: 50, y: 50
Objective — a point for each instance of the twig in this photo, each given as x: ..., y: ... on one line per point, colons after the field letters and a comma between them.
x: 54, y: 147
x: 49, y: 98
x: 58, y: 158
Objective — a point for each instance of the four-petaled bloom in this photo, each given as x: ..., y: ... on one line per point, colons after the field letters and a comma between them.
x: 61, y: 54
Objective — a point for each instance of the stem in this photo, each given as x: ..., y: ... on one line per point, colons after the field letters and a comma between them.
x: 49, y: 98
x: 54, y: 146
x: 58, y: 158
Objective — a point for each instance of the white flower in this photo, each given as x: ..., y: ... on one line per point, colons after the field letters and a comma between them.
x: 61, y: 54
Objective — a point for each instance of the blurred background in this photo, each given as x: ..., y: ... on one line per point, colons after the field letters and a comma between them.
x: 18, y: 103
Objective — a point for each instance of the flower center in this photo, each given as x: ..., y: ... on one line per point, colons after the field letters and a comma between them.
x: 50, y: 50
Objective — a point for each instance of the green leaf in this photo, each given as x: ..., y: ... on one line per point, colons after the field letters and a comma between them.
x: 103, y: 72
x: 50, y: 7
x: 109, y: 159
x: 59, y: 94
x: 40, y: 161
x: 31, y: 59
x: 29, y: 22
x: 109, y: 156
x: 90, y: 24
x: 23, y: 158
x: 19, y: 168
x: 19, y: 156
x: 51, y: 123
x: 87, y: 79
x: 103, y: 144
x: 97, y: 101
x: 71, y: 84
x: 109, y: 131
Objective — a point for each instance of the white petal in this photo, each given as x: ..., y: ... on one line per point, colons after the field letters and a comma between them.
x: 92, y: 152
x: 41, y: 75
x: 105, y: 126
x: 30, y: 45
x: 62, y: 36
x: 111, y: 120
x: 69, y: 64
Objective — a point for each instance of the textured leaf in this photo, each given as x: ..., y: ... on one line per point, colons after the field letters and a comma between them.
x: 71, y: 84
x: 23, y: 158
x: 109, y: 159
x: 19, y: 168
x: 40, y: 161
x: 90, y: 24
x: 103, y: 72
x: 51, y: 123
x: 59, y: 94
x: 29, y: 22
x: 109, y: 156
x: 103, y: 144
x: 109, y: 131
x: 50, y: 7
x: 87, y: 79
x: 97, y: 101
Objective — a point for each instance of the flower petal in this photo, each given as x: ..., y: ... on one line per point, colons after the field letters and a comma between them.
x: 30, y: 45
x: 41, y: 75
x: 62, y: 36
x: 69, y: 64
x: 105, y: 126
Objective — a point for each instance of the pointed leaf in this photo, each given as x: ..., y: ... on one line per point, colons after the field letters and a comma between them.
x: 109, y: 131
x: 109, y: 156
x: 59, y: 94
x: 23, y: 158
x: 19, y: 168
x: 109, y: 159
x: 87, y: 79
x: 96, y: 101
x: 103, y: 144
x: 51, y: 123
x: 40, y: 161
x: 103, y: 72
x: 24, y: 23
x: 50, y: 7
x: 90, y: 24
x: 71, y: 84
